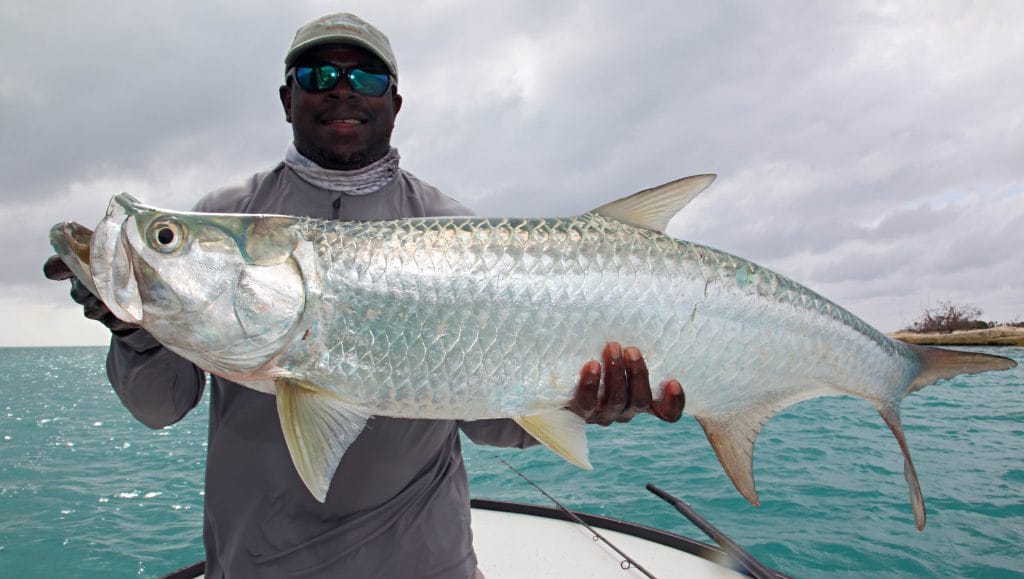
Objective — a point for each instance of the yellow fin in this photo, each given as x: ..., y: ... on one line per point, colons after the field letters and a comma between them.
x: 562, y: 431
x: 653, y: 208
x: 318, y: 429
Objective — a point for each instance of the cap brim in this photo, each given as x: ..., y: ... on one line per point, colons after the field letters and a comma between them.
x: 297, y: 50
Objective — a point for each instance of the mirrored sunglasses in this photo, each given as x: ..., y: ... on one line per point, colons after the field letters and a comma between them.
x: 324, y: 77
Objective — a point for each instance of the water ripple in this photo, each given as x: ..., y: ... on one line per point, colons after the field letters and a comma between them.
x: 86, y: 488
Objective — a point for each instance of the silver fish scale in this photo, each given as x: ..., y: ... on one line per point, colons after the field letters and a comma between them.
x: 478, y: 318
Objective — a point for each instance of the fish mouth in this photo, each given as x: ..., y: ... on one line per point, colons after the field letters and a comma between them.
x: 71, y: 242
x: 113, y: 272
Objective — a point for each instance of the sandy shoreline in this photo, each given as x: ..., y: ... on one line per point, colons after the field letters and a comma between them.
x: 998, y: 336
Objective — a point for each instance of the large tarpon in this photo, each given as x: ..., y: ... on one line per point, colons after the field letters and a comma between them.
x: 472, y: 318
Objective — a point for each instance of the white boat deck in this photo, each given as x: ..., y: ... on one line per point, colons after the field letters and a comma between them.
x: 518, y: 545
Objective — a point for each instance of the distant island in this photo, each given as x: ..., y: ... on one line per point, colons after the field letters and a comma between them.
x: 997, y: 336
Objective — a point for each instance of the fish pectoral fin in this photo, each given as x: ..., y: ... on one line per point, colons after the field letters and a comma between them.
x: 654, y: 208
x: 891, y: 415
x: 318, y: 429
x: 732, y: 439
x: 563, y: 431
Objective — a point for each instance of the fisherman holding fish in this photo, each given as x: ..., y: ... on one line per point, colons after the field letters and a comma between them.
x: 398, y: 504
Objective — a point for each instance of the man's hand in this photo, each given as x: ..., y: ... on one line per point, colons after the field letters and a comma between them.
x: 627, y: 390
x: 93, y: 307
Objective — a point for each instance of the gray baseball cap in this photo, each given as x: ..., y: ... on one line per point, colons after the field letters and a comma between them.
x: 342, y: 28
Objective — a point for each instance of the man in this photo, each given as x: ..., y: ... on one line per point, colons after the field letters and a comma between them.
x: 398, y: 505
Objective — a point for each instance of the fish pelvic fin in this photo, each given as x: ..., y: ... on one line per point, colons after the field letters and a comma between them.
x: 653, y: 208
x: 940, y: 363
x: 318, y: 429
x: 891, y: 415
x: 732, y: 438
x: 563, y: 431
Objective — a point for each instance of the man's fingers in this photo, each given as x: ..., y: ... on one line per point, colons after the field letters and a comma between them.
x: 118, y: 326
x: 56, y: 269
x: 626, y: 389
x: 584, y: 402
x: 95, y: 309
x: 673, y: 400
x: 83, y: 296
x: 639, y: 384
x: 616, y: 391
x: 92, y: 306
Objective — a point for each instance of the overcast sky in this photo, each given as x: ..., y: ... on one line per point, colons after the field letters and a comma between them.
x: 873, y: 151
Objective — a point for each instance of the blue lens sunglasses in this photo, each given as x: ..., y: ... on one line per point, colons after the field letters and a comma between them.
x: 324, y: 77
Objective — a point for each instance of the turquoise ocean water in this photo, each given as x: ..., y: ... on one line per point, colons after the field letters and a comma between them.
x: 85, y: 491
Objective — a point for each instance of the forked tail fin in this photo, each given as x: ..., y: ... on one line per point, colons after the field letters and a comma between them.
x: 936, y: 364
x: 940, y: 363
x: 733, y: 436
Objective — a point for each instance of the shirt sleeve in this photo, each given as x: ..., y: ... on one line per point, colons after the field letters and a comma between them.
x: 501, y: 432
x: 156, y: 385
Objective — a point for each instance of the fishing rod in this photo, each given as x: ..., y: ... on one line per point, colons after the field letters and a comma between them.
x: 627, y: 560
x: 752, y: 565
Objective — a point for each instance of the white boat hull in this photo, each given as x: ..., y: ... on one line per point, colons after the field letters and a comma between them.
x: 514, y: 540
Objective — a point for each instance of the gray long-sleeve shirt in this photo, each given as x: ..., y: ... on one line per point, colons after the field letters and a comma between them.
x: 398, y: 505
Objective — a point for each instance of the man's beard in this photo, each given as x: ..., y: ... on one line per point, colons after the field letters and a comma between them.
x: 329, y: 159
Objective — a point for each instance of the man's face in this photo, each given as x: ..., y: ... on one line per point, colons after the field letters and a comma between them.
x: 340, y: 128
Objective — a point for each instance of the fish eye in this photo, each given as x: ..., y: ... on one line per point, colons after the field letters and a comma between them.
x: 166, y: 235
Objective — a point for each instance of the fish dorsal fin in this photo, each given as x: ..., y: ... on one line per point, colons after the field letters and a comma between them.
x: 562, y: 431
x: 318, y: 429
x: 733, y: 438
x: 653, y: 208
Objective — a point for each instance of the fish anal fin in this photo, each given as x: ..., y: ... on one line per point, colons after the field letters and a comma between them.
x: 891, y: 416
x: 732, y: 439
x: 563, y: 431
x: 318, y: 429
x: 940, y: 363
x: 653, y: 208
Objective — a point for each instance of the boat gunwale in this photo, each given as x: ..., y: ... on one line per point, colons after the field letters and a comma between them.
x: 659, y: 536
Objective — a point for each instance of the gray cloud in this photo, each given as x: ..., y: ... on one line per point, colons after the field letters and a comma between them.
x: 870, y: 151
